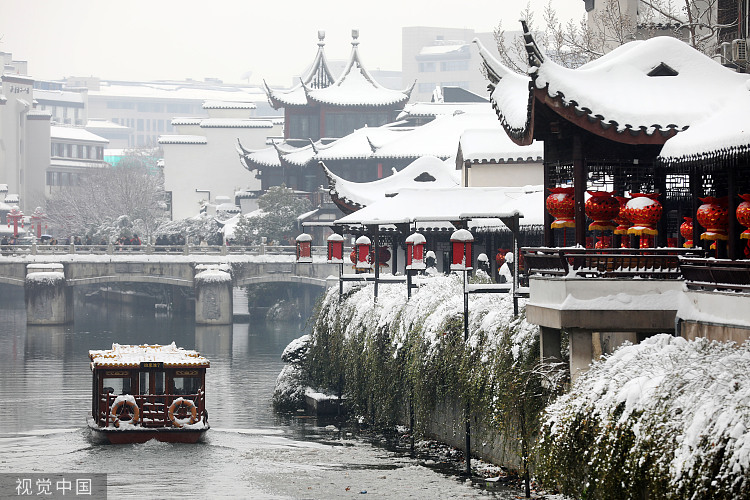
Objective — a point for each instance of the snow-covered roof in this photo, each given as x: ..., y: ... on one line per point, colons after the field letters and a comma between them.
x: 185, y: 120
x: 427, y: 172
x: 74, y: 134
x: 296, y: 156
x: 452, y: 48
x: 494, y: 146
x: 433, y: 109
x: 214, y: 104
x: 131, y: 356
x: 453, y: 204
x: 101, y: 124
x: 646, y: 89
x: 235, y: 123
x: 358, y: 144
x: 189, y: 91
x: 356, y: 86
x: 437, y: 138
x: 58, y: 95
x: 182, y: 139
x: 317, y: 76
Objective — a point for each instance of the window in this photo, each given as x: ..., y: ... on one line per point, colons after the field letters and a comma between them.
x: 186, y: 385
x: 139, y: 128
x: 151, y: 382
x: 426, y: 67
x: 117, y: 386
x: 454, y: 65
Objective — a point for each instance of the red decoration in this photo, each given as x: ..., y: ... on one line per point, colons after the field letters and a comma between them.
x: 500, y: 257
x: 363, y: 253
x: 561, y: 205
x: 336, y: 249
x: 603, y: 242
x: 601, y: 207
x: 304, y: 248
x: 743, y: 215
x: 622, y: 220
x: 461, y: 241
x: 14, y: 216
x: 686, y: 231
x: 353, y: 256
x: 384, y: 255
x: 643, y: 211
x: 714, y: 216
x: 415, y: 244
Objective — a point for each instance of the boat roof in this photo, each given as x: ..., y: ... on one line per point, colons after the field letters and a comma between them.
x: 131, y: 356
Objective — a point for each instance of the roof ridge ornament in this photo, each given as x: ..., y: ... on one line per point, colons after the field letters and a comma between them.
x: 532, y: 49
x: 321, y: 38
x: 355, y: 37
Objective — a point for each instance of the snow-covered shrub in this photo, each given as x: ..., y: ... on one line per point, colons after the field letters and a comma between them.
x: 666, y: 418
x: 385, y: 355
x: 289, y: 393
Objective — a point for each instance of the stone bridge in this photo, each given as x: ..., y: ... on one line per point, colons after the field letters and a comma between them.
x: 48, y: 279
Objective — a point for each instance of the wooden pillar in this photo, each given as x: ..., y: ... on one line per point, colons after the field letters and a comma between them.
x: 696, y: 190
x: 549, y: 238
x: 579, y: 185
x: 660, y: 186
x: 733, y: 246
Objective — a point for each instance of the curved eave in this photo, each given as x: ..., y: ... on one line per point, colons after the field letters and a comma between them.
x: 277, y: 100
x: 705, y: 160
x: 597, y: 124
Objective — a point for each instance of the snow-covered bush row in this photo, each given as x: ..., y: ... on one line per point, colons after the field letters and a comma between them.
x: 666, y: 418
x: 393, y: 353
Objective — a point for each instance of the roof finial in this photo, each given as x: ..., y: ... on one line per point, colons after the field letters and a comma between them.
x: 321, y: 38
x: 355, y: 36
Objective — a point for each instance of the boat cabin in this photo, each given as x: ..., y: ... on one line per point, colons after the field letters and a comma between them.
x: 142, y: 392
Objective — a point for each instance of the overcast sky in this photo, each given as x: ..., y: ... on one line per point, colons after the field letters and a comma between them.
x: 228, y: 39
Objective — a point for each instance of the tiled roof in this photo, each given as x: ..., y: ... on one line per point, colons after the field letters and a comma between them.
x: 182, y: 139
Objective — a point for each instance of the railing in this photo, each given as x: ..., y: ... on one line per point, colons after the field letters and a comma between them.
x: 153, y: 409
x: 651, y: 263
x: 716, y: 274
x: 19, y: 250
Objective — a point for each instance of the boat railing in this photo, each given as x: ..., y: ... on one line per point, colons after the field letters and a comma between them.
x: 153, y: 409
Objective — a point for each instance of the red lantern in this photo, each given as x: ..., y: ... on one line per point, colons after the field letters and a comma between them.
x: 686, y: 231
x: 601, y: 207
x: 643, y: 211
x: 561, y: 205
x: 353, y: 255
x: 415, y: 245
x: 384, y: 255
x: 500, y: 257
x: 362, y: 245
x: 743, y: 215
x: 335, y: 249
x: 603, y: 242
x: 623, y: 223
x: 304, y: 248
x: 714, y: 216
x: 461, y: 241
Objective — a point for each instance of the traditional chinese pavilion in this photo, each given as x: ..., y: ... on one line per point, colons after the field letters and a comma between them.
x: 318, y: 110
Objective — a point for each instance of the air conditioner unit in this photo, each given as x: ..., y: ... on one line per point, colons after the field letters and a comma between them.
x: 739, y: 50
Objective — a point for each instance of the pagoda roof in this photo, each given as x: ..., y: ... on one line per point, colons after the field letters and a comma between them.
x: 259, y: 158
x: 643, y: 92
x: 360, y: 143
x: 439, y: 137
x: 356, y: 86
x: 434, y: 109
x: 317, y: 76
x: 427, y: 172
x: 419, y: 205
x: 494, y: 146
x: 296, y: 156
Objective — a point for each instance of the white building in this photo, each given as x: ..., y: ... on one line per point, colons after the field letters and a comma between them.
x: 201, y: 161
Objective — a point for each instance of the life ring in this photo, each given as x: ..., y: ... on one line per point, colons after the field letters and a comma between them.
x: 188, y: 403
x: 119, y: 406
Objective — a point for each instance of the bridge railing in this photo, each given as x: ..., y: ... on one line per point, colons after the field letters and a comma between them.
x: 20, y: 250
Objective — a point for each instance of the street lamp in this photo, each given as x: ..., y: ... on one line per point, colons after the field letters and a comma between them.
x: 36, y: 221
x: 15, y: 216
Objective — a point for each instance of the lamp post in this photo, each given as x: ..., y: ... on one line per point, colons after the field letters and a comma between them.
x: 335, y: 243
x: 36, y: 221
x: 15, y: 216
x: 304, y: 248
x: 461, y: 242
x: 415, y: 244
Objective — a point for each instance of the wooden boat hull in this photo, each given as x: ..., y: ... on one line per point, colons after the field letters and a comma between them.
x: 166, y: 435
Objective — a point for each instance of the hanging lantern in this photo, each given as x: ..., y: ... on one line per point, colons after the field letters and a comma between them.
x: 603, y: 242
x: 602, y: 207
x: 415, y: 245
x: 500, y: 257
x: 713, y: 215
x: 623, y: 223
x: 384, y: 255
x: 743, y: 215
x: 643, y: 211
x: 461, y: 241
x: 561, y: 205
x: 335, y: 244
x: 304, y: 248
x: 362, y: 245
x: 353, y: 255
x: 686, y: 231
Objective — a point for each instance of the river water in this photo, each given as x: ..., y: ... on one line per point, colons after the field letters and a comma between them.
x: 250, y: 450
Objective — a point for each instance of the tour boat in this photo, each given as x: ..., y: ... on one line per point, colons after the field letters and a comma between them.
x: 143, y: 392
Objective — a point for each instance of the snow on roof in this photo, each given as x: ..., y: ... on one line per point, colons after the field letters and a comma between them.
x: 214, y: 104
x: 74, y: 134
x: 235, y: 123
x: 100, y: 124
x: 179, y: 90
x: 182, y: 139
x: 494, y: 146
x: 356, y: 87
x: 426, y: 172
x: 231, y: 223
x: 646, y: 85
x: 184, y: 120
x: 58, y: 95
x: 266, y: 157
x: 297, y: 156
x: 437, y: 138
x: 434, y: 50
x: 433, y: 109
x: 358, y: 144
x: 131, y: 356
x: 451, y: 204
